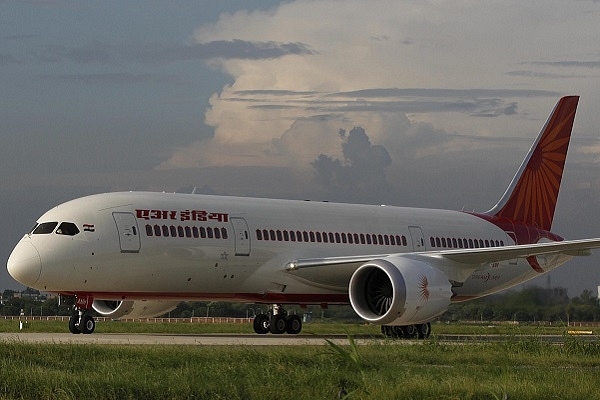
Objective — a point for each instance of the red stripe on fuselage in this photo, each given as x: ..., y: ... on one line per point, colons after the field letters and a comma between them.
x: 259, y: 298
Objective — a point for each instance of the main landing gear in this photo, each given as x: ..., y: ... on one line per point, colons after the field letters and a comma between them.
x: 81, y: 321
x: 277, y: 321
x: 421, y: 331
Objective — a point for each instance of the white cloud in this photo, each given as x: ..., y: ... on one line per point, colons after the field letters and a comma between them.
x: 284, y: 111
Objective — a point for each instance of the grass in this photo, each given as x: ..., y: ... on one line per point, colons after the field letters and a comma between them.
x: 513, y: 369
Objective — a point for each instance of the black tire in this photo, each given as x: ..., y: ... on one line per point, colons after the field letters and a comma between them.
x: 410, y: 331
x: 261, y: 324
x: 386, y: 331
x: 392, y: 331
x: 87, y: 324
x: 278, y: 324
x: 293, y: 324
x: 424, y: 330
x: 73, y: 325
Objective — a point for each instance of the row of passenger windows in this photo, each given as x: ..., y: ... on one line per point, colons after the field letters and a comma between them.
x: 330, y: 237
x: 292, y: 236
x: 186, y: 231
x: 460, y: 243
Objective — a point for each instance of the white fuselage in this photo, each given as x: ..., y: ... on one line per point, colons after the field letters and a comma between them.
x: 183, y: 246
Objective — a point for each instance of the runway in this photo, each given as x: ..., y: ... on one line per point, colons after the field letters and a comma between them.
x: 246, y: 339
x: 169, y: 339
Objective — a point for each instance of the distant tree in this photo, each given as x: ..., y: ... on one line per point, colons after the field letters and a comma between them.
x: 529, y: 304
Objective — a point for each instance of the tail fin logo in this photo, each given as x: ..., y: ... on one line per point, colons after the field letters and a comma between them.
x: 531, y: 198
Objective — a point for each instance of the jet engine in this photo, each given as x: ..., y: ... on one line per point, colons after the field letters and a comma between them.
x: 399, y: 291
x: 133, y: 309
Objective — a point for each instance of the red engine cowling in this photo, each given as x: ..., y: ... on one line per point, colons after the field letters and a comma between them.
x: 399, y: 291
x: 133, y: 309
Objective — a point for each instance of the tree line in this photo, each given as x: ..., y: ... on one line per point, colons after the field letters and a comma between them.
x: 529, y: 304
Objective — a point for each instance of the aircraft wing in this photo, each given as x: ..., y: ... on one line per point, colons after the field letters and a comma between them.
x: 571, y: 248
x: 335, y: 272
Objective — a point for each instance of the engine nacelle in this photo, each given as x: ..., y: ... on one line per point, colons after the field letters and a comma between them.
x: 133, y: 309
x: 399, y: 291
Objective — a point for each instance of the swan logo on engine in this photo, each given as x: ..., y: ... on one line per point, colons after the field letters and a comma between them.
x: 424, y: 288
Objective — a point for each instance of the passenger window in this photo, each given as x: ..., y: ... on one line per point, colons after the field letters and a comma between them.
x: 45, y: 228
x: 67, y: 228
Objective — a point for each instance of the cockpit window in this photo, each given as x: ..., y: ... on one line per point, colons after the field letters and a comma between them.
x: 44, y: 228
x: 67, y: 228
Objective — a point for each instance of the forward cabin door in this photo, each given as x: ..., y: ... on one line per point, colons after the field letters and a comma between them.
x: 129, y: 235
x: 418, y: 240
x: 241, y: 236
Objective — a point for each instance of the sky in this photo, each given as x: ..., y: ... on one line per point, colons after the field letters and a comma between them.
x: 412, y: 103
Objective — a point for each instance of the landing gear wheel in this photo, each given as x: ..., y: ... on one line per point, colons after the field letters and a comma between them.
x: 73, y: 324
x: 386, y: 331
x: 410, y: 331
x: 424, y: 330
x: 87, y: 324
x: 293, y: 324
x: 261, y: 324
x: 392, y: 331
x: 277, y: 325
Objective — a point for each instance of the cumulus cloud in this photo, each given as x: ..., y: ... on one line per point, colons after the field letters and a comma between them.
x: 403, y: 80
x: 361, y: 173
x: 391, y: 78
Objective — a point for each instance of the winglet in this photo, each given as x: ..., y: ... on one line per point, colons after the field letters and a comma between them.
x: 531, y: 196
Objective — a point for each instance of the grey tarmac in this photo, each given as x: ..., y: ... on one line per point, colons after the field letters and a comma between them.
x: 168, y: 339
x: 243, y: 339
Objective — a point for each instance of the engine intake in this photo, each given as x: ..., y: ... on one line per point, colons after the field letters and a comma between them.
x: 399, y: 291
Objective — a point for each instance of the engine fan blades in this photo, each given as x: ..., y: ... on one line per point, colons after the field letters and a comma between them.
x: 379, y: 292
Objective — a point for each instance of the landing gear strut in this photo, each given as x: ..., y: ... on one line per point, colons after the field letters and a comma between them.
x: 422, y: 331
x: 277, y: 321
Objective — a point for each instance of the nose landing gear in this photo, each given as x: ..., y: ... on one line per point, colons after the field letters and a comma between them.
x: 81, y: 321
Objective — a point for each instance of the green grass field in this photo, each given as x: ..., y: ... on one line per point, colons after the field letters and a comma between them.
x: 516, y: 368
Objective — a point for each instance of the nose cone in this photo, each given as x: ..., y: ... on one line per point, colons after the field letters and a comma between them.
x: 24, y: 263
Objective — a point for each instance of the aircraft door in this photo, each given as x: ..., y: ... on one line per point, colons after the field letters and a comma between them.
x: 241, y: 236
x: 129, y: 235
x: 418, y: 241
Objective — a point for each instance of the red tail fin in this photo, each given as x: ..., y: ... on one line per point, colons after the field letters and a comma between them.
x: 531, y: 196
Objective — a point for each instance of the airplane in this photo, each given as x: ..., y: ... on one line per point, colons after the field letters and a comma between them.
x: 138, y: 254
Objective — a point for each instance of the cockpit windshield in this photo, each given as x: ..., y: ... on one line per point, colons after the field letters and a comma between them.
x: 44, y: 228
x: 65, y: 228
